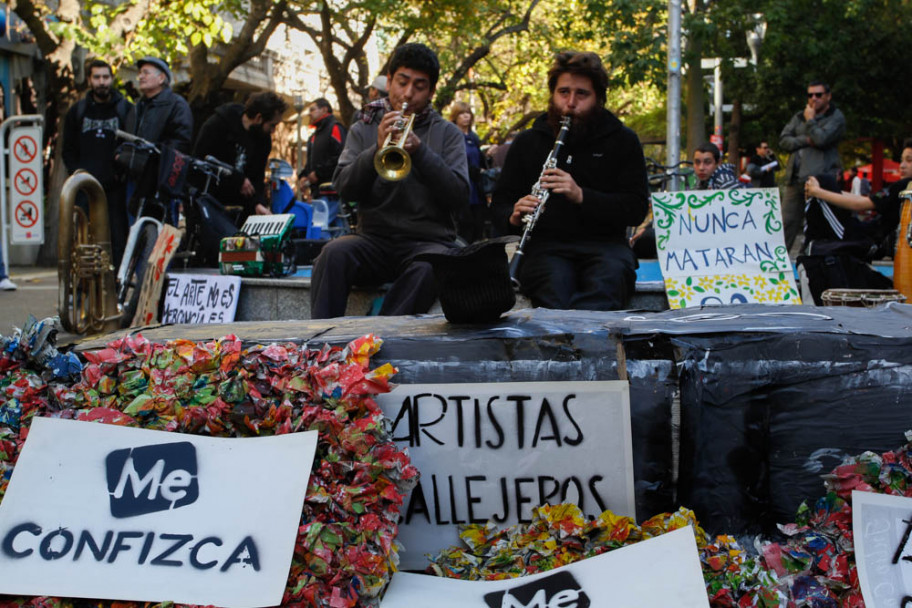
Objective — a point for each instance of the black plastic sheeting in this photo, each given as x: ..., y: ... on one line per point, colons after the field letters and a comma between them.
x: 771, y: 397
x: 764, y: 416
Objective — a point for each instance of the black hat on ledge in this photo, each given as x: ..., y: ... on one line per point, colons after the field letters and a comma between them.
x: 473, y: 282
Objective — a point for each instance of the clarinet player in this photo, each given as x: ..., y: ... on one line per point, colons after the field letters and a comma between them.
x: 577, y: 256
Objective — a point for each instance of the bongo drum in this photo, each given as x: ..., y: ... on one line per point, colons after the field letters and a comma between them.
x: 867, y: 298
x: 902, y: 259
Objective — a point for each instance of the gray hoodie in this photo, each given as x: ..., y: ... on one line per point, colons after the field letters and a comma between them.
x: 424, y: 205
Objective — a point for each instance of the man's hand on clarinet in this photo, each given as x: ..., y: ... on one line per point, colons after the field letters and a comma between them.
x: 559, y: 181
x: 526, y: 204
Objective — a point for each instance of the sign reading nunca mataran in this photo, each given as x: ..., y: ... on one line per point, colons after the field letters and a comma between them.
x: 723, y: 247
x: 109, y: 512
x: 493, y: 452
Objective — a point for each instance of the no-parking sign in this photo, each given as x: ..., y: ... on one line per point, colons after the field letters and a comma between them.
x: 26, y: 191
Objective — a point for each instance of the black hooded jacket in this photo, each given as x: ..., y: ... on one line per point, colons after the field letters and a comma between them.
x: 223, y: 136
x: 606, y: 161
x: 89, y: 140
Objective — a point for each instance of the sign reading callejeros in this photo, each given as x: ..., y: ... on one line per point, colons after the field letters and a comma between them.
x: 102, y: 511
x: 493, y: 452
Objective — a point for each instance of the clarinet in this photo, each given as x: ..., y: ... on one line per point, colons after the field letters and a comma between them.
x: 542, y: 195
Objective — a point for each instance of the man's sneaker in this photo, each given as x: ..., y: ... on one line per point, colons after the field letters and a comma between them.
x: 7, y: 285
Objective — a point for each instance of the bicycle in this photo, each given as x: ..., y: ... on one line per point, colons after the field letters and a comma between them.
x: 206, y: 221
x: 642, y: 237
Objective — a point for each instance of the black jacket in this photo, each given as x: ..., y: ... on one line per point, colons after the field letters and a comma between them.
x: 323, y: 150
x: 606, y: 162
x: 165, y: 119
x: 223, y: 136
x: 88, y: 134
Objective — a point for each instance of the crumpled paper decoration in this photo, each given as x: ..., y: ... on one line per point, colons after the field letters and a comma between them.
x: 345, y: 551
x: 813, y: 567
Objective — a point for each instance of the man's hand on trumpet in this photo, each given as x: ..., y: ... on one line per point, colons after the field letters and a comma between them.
x: 393, y: 123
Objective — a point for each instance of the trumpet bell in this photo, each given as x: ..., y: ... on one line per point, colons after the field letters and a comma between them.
x: 392, y: 163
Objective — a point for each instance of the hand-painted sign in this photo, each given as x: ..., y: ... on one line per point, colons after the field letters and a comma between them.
x: 723, y: 247
x: 882, y: 529
x: 655, y: 573
x: 496, y: 451
x: 200, y: 298
x: 26, y: 194
x: 102, y: 511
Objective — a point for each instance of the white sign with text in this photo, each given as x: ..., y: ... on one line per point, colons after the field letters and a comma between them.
x: 109, y: 512
x: 493, y: 452
x: 655, y: 573
x: 723, y: 247
x: 882, y: 530
x: 200, y: 298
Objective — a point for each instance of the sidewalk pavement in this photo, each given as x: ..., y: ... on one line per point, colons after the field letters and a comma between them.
x: 36, y: 295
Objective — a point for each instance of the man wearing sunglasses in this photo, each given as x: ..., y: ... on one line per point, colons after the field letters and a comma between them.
x: 811, y: 137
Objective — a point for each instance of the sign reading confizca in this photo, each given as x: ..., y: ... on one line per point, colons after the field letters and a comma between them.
x: 493, y: 452
x: 656, y: 573
x: 102, y: 511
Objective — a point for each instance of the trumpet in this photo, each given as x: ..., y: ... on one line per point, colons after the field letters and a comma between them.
x: 391, y: 161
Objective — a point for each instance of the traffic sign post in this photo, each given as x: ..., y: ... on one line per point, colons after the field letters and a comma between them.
x: 22, y: 218
x: 26, y: 192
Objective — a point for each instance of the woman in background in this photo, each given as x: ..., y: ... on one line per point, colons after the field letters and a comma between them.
x: 472, y: 223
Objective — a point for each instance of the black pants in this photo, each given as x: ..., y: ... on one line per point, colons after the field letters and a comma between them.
x: 367, y: 260
x: 579, y: 276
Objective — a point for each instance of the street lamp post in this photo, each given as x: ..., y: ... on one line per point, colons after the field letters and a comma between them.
x: 299, y: 157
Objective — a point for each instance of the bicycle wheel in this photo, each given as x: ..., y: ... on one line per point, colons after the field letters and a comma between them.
x: 135, y: 273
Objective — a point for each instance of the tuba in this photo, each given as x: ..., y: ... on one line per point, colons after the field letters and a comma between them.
x: 87, y: 299
x: 391, y: 161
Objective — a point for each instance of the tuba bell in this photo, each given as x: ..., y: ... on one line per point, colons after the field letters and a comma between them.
x: 391, y: 161
x: 87, y: 299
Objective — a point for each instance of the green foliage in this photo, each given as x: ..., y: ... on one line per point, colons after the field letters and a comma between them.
x: 167, y: 29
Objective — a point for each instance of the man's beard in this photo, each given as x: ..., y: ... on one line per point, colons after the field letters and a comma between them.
x: 101, y: 93
x: 579, y: 125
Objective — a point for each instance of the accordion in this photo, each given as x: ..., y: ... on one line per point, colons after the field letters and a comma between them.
x: 263, y: 247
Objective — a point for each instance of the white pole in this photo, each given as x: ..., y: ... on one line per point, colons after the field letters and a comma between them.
x: 673, y: 115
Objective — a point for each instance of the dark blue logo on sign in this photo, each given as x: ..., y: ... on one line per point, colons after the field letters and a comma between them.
x: 556, y: 591
x: 152, y: 478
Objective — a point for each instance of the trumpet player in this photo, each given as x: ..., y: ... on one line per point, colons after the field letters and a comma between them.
x: 406, y: 167
x: 577, y: 255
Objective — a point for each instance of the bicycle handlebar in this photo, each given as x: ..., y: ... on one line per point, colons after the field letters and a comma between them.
x: 135, y: 139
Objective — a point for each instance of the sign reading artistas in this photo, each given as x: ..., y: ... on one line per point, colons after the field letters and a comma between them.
x: 191, y: 298
x: 723, y: 247
x: 102, y: 511
x: 494, y: 452
x: 656, y: 573
x: 882, y: 530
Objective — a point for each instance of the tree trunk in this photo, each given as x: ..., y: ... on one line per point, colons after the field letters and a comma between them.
x: 696, y: 116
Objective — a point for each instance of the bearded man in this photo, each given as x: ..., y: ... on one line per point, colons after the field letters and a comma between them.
x: 89, y: 142
x: 577, y: 256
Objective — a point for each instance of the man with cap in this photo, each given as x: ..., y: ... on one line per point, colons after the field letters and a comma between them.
x: 89, y: 143
x: 241, y: 136
x: 397, y: 219
x: 323, y: 147
x: 162, y: 116
x: 375, y: 91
